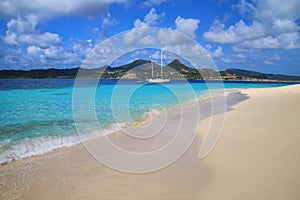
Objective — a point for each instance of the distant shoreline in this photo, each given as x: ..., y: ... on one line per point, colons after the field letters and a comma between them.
x: 174, y: 80
x: 141, y: 69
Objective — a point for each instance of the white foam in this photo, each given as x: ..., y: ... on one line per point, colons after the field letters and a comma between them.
x: 153, y: 112
x: 10, y: 151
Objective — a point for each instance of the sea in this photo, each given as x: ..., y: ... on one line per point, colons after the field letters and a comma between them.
x: 37, y: 115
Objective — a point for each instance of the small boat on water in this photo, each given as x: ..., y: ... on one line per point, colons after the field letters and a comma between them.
x: 159, y: 79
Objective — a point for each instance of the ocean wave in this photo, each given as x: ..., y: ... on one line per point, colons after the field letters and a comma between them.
x: 10, y: 151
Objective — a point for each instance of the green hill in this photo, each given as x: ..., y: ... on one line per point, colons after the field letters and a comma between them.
x: 143, y: 69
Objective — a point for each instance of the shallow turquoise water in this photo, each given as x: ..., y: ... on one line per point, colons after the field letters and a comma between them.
x: 36, y: 114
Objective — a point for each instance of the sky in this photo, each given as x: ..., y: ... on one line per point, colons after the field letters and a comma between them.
x: 258, y: 35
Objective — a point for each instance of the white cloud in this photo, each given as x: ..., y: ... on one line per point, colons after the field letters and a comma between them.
x: 150, y: 19
x: 41, y: 40
x: 23, y: 25
x: 238, y: 49
x: 95, y: 30
x: 273, y: 26
x: 146, y: 41
x: 235, y: 33
x: 281, y: 41
x: 244, y: 7
x: 139, y: 24
x: 270, y: 10
x: 154, y: 2
x: 138, y: 37
x: 52, y: 56
x: 171, y: 38
x: 44, y: 40
x: 108, y: 21
x: 19, y: 26
x: 25, y: 15
x: 228, y: 60
x: 34, y: 49
x: 187, y: 26
x: 218, y: 53
x: 10, y: 38
x: 53, y: 52
x: 82, y: 46
x: 44, y: 49
x: 54, y: 8
x: 267, y: 62
x: 239, y: 56
x: 284, y: 25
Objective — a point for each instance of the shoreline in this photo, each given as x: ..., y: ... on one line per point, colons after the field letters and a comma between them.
x: 73, y: 172
x: 77, y: 138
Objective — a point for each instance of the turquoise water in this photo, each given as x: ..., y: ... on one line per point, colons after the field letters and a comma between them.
x: 36, y: 114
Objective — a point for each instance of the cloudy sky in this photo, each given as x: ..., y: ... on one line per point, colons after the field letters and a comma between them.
x: 260, y: 35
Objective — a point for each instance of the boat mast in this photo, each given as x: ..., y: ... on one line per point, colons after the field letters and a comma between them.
x: 161, y: 69
x: 152, y: 68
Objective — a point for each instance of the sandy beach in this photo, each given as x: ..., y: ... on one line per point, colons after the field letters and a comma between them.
x: 256, y: 157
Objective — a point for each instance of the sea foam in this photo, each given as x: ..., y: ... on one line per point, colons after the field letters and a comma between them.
x: 10, y: 151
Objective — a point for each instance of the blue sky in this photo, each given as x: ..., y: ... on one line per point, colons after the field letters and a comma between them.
x: 259, y: 35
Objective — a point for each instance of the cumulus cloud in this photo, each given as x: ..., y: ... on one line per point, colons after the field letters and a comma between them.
x: 19, y: 26
x: 10, y: 38
x: 34, y: 48
x: 150, y: 19
x: 270, y: 10
x: 23, y: 25
x: 23, y: 31
x: 138, y: 36
x: 218, y: 53
x: 45, y: 51
x: 44, y: 40
x: 187, y: 26
x: 51, y: 57
x: 140, y: 24
x: 281, y: 41
x: 235, y: 33
x: 244, y: 7
x: 55, y: 8
x: 273, y: 25
x: 169, y: 38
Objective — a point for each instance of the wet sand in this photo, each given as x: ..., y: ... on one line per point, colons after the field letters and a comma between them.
x: 256, y: 157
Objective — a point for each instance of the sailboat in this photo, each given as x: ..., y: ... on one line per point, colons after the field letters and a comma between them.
x: 161, y: 79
